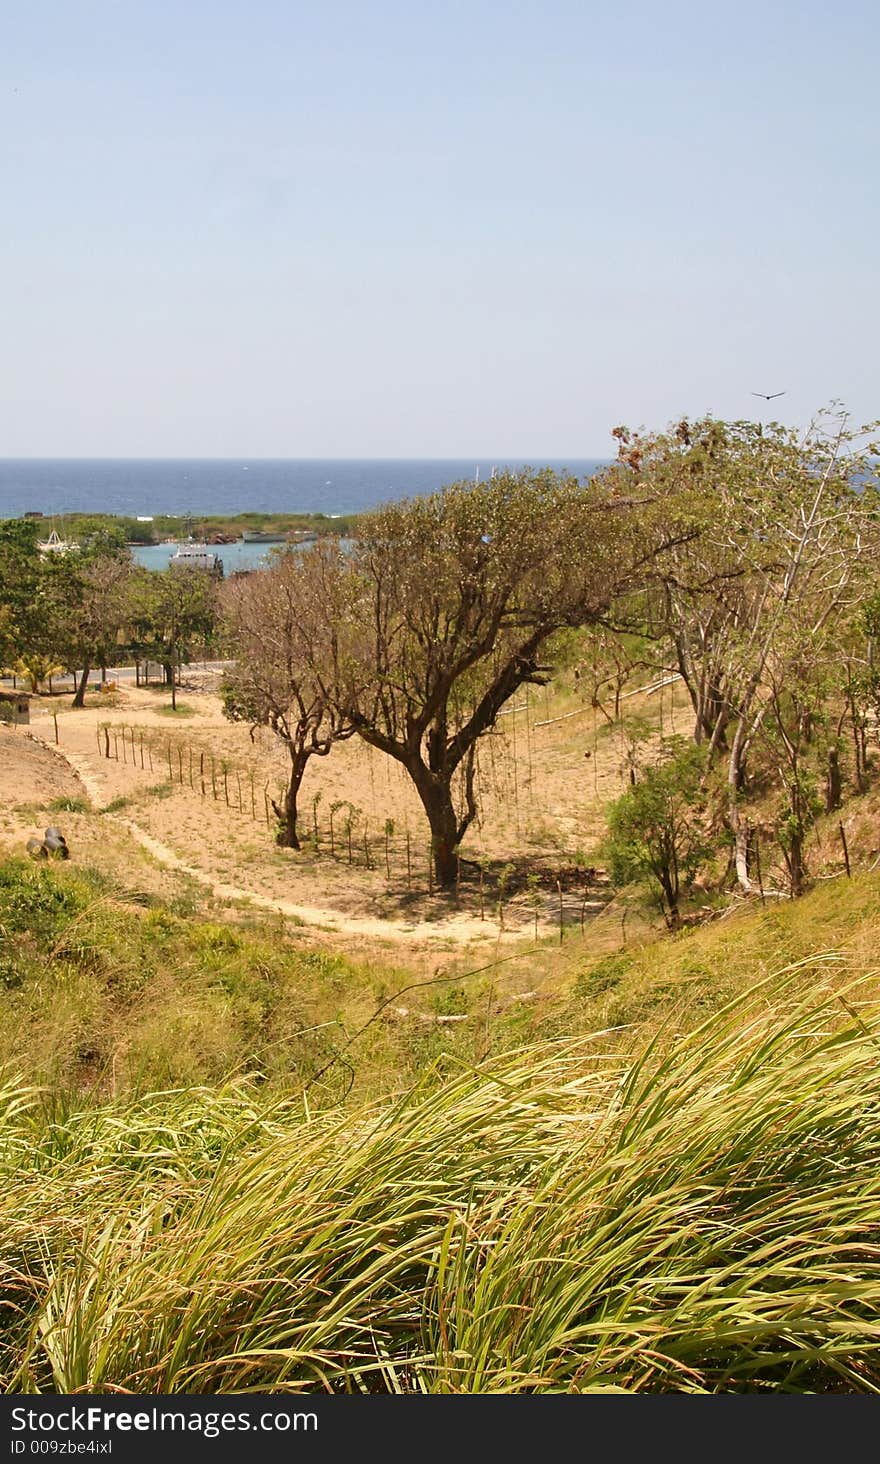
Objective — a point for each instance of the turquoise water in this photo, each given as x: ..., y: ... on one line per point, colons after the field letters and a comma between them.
x: 234, y: 556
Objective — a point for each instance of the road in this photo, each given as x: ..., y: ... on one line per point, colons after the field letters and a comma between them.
x: 66, y: 682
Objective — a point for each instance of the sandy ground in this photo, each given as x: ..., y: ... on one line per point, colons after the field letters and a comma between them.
x: 542, y: 793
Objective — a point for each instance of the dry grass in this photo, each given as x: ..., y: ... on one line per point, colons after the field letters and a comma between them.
x: 703, y: 1217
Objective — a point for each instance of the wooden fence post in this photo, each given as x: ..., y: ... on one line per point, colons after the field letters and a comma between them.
x: 758, y: 868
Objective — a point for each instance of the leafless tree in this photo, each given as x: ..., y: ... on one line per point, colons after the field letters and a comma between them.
x: 285, y: 625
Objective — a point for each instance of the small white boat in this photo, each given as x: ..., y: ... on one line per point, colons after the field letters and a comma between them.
x: 54, y: 544
x: 196, y: 556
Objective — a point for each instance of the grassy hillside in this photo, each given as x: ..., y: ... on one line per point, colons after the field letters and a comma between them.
x: 700, y: 1217
x: 658, y: 1172
x: 105, y: 992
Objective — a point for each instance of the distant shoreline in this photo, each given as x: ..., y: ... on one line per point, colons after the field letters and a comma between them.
x: 206, y: 528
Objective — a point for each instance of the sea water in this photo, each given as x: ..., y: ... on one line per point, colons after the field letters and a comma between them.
x: 197, y: 487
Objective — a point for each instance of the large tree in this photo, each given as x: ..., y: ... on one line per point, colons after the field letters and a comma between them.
x: 751, y: 607
x: 62, y: 608
x: 458, y: 595
x: 285, y: 624
x: 88, y: 591
x: 20, y: 571
x: 172, y: 612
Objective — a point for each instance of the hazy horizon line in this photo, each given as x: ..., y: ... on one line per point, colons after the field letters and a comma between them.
x: 264, y: 458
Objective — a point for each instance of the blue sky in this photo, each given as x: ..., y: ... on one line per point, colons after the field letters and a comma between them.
x: 412, y: 229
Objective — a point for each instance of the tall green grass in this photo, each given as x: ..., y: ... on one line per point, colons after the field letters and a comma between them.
x: 104, y: 991
x: 703, y: 1215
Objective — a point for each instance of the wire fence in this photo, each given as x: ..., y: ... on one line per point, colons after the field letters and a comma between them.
x: 344, y: 831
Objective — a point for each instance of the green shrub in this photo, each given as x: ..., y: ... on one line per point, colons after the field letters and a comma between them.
x: 656, y: 829
x: 69, y: 805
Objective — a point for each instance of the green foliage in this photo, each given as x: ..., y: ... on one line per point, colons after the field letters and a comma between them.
x: 182, y: 710
x: 19, y: 581
x: 660, y: 1221
x: 69, y: 805
x: 126, y: 529
x: 37, y: 902
x: 172, y: 614
x: 36, y: 669
x: 159, y: 999
x: 603, y: 975
x: 656, y: 830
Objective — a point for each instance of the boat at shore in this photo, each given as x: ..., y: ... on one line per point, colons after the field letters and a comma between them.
x: 196, y: 556
x: 259, y: 536
x: 54, y: 544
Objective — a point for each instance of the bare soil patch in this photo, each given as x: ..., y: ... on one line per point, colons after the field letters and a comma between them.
x: 191, y: 792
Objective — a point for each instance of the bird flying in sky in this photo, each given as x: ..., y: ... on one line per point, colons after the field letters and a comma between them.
x: 768, y: 397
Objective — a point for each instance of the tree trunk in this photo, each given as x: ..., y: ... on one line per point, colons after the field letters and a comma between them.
x: 794, y: 858
x: 832, y: 781
x: 437, y: 802
x: 671, y: 912
x: 738, y: 825
x: 858, y: 760
x: 79, y: 699
x: 168, y: 669
x: 286, y: 813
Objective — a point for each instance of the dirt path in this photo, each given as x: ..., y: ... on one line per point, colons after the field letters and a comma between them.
x: 462, y: 928
x: 455, y: 927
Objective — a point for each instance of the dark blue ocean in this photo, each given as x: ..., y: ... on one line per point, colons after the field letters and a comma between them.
x: 217, y: 486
